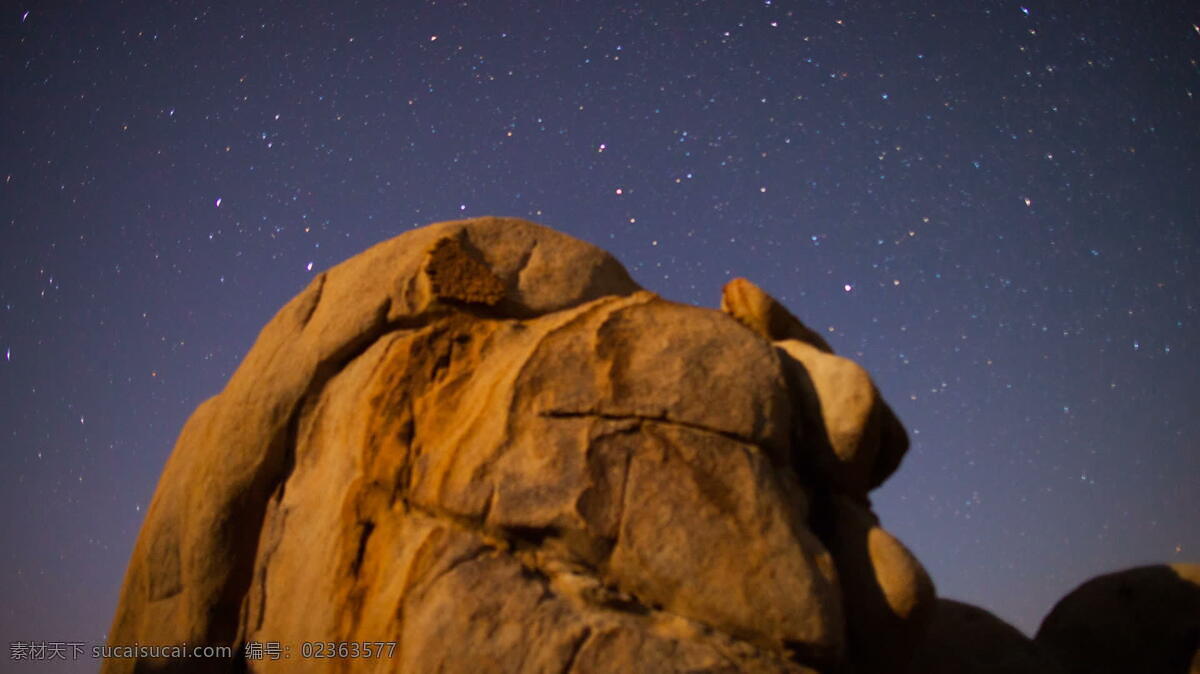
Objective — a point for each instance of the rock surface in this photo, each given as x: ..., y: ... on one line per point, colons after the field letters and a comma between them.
x: 966, y: 639
x: 483, y: 444
x: 1145, y: 619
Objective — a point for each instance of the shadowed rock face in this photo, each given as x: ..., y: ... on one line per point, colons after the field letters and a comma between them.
x: 482, y: 441
x: 966, y: 639
x: 1145, y: 619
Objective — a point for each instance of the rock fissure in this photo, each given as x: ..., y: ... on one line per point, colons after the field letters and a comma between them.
x: 646, y: 418
x: 367, y: 527
x: 316, y: 300
x: 523, y: 264
x: 521, y: 545
x: 575, y: 648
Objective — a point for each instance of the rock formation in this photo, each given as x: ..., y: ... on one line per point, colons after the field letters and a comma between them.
x: 483, y: 445
x: 482, y: 441
x: 1145, y: 620
x: 965, y: 639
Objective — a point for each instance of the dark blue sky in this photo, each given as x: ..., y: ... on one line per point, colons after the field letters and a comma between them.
x: 993, y: 206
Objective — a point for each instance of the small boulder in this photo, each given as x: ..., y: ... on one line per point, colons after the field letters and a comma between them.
x: 850, y: 435
x: 767, y: 316
x: 888, y: 595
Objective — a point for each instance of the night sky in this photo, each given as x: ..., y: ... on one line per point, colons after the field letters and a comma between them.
x: 993, y: 206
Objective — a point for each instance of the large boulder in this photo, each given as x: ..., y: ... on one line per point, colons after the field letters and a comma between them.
x: 1145, y: 619
x: 483, y: 443
x: 966, y: 639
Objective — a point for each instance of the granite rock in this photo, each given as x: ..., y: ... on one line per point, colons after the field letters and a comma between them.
x: 483, y: 442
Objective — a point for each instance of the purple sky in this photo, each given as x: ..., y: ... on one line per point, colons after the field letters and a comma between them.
x: 993, y: 206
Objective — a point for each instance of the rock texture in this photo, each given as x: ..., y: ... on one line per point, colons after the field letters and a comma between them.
x: 1145, y: 620
x: 483, y: 441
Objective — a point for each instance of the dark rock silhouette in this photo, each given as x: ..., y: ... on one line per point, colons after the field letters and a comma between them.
x: 1145, y: 619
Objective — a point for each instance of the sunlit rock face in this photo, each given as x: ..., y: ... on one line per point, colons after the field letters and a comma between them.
x: 483, y: 445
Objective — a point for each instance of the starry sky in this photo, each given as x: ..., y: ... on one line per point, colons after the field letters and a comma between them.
x: 992, y: 205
